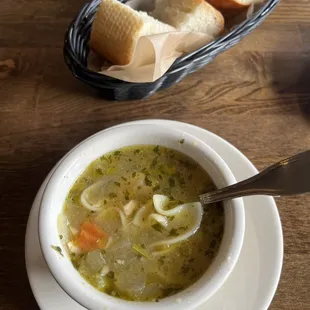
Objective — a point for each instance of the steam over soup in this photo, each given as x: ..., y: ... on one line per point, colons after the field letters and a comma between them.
x: 133, y: 227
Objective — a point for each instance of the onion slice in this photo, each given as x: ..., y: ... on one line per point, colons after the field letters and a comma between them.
x: 110, y: 240
x: 121, y: 214
x: 104, y: 271
x: 138, y: 219
x: 74, y: 248
x: 130, y: 207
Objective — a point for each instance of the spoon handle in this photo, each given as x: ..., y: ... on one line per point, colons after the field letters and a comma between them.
x: 290, y: 176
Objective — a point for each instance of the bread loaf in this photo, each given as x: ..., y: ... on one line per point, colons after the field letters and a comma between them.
x: 190, y: 15
x: 117, y: 28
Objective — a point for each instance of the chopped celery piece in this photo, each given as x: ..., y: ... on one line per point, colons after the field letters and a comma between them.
x: 140, y: 250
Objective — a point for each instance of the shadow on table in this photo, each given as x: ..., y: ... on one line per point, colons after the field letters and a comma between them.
x: 291, y: 79
x: 303, y: 90
x: 59, y: 80
x: 18, y: 189
x: 32, y: 156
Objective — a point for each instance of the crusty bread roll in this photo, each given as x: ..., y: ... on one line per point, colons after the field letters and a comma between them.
x: 230, y: 7
x: 117, y: 28
x: 190, y: 15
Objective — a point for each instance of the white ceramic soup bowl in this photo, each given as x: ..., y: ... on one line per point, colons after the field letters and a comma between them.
x: 71, y: 167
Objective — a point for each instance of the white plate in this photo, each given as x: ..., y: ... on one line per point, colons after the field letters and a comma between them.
x: 253, y: 282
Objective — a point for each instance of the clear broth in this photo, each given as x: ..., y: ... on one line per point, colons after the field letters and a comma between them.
x: 122, y: 262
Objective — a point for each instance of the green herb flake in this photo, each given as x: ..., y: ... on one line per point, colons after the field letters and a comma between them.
x: 111, y: 275
x: 123, y: 178
x: 173, y: 233
x: 162, y: 171
x: 99, y: 171
x: 161, y: 260
x: 170, y: 291
x: 57, y: 249
x: 111, y: 170
x: 157, y: 227
x: 61, y: 237
x: 137, y: 151
x: 187, y: 164
x: 112, y: 195
x: 182, y: 141
x: 75, y: 264
x: 172, y: 182
x: 160, y: 176
x: 104, y: 202
x: 117, y: 184
x: 104, y: 158
x: 172, y: 155
x: 116, y: 153
x: 126, y: 195
x: 134, y: 174
x: 92, y: 211
x: 154, y: 162
x: 156, y: 188
x: 185, y: 269
x: 171, y: 218
x: 156, y: 149
x: 148, y: 182
x: 183, y: 228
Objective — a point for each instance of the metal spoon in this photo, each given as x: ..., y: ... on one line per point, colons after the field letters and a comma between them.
x: 290, y: 176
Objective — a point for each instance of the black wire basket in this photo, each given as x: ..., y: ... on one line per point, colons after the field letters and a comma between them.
x: 76, y: 50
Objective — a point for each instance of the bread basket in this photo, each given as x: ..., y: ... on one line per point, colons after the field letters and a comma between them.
x: 76, y: 50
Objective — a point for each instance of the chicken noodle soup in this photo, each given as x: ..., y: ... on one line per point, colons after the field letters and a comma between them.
x: 133, y: 227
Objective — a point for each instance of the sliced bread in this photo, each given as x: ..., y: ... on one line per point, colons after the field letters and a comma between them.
x: 229, y: 7
x: 190, y: 15
x: 117, y: 28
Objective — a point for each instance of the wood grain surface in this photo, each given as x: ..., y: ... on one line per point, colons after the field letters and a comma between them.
x: 256, y: 95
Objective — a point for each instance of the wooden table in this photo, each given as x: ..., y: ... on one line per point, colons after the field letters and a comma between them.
x: 257, y: 96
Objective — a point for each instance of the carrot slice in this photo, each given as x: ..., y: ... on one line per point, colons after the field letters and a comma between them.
x: 91, y: 237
